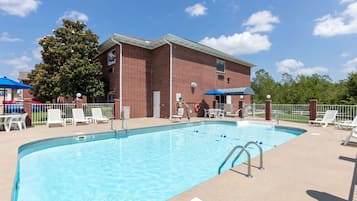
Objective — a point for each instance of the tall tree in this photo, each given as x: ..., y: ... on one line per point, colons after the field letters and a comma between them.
x: 68, y: 65
x: 263, y: 84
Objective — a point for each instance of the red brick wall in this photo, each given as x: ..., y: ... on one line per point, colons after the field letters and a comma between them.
x: 160, y: 68
x: 145, y: 71
x: 137, y: 91
x: 192, y: 66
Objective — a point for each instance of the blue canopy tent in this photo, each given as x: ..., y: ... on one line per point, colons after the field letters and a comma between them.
x: 7, y: 83
x: 230, y: 91
x: 214, y: 92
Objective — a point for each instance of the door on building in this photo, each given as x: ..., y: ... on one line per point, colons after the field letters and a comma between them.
x: 156, y: 104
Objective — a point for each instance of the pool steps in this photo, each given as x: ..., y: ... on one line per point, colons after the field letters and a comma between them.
x: 243, y: 149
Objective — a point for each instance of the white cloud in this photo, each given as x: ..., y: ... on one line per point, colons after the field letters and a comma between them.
x: 311, y: 70
x: 19, y: 7
x: 345, y: 1
x: 345, y: 54
x: 239, y: 43
x: 261, y: 21
x: 74, y: 16
x: 286, y: 65
x: 296, y: 67
x: 350, y: 66
x: 36, y: 53
x: 196, y: 10
x: 340, y: 24
x: 18, y: 63
x: 5, y: 37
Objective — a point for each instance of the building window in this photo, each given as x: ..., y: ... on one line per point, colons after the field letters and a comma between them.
x: 220, y: 65
x: 111, y: 57
x: 220, y: 77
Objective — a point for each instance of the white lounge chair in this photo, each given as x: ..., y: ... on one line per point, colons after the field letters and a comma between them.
x: 97, y: 116
x: 78, y: 116
x: 353, y: 134
x: 179, y: 114
x: 329, y: 117
x: 347, y: 124
x: 54, y: 117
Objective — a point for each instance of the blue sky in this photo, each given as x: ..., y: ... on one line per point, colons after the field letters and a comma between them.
x: 296, y: 37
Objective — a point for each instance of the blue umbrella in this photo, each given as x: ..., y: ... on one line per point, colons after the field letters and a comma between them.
x: 7, y: 83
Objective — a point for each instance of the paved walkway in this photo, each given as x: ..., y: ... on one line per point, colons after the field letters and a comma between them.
x: 313, y: 166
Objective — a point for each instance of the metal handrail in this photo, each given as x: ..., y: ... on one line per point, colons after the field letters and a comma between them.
x: 245, y: 146
x: 230, y: 154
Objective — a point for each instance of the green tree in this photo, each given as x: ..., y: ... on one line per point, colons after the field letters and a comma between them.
x: 350, y: 89
x: 68, y: 65
x: 263, y: 84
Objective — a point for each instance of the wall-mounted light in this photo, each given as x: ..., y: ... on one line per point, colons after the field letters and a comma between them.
x: 193, y: 84
x: 241, y: 97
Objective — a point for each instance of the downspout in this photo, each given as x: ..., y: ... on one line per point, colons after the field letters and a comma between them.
x: 120, y: 74
x: 170, y: 77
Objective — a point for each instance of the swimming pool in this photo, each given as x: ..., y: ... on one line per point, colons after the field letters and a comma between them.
x: 141, y: 164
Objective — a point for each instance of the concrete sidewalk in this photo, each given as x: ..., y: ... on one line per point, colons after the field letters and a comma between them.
x: 313, y: 166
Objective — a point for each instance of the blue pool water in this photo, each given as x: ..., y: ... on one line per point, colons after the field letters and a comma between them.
x: 149, y: 164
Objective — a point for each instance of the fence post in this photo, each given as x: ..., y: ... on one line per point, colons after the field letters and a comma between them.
x: 117, y: 108
x: 268, y: 109
x: 79, y: 103
x: 28, y: 109
x: 313, y: 109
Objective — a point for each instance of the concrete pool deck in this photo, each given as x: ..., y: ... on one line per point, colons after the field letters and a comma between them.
x: 313, y: 166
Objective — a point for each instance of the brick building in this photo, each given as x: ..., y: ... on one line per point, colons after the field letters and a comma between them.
x: 150, y: 75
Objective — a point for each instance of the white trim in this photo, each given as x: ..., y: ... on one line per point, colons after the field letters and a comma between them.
x: 170, y: 117
x: 121, y: 74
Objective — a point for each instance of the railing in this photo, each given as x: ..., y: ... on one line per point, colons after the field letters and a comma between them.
x: 291, y: 112
x: 231, y: 153
x: 11, y: 108
x: 39, y: 111
x: 107, y: 109
x: 345, y: 112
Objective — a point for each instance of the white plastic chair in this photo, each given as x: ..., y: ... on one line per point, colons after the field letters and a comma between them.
x: 97, y: 115
x: 78, y: 116
x: 54, y: 117
x: 19, y: 121
x: 329, y: 117
x: 347, y: 124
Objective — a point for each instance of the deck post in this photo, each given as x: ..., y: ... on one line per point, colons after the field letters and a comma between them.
x: 313, y: 109
x: 28, y: 109
x: 268, y: 109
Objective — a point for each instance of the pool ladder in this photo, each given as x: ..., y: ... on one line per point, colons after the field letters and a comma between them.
x: 243, y: 149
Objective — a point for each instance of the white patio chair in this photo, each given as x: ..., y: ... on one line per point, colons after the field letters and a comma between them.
x: 19, y: 121
x: 329, y: 117
x: 97, y: 116
x: 78, y: 116
x: 353, y: 134
x: 54, y: 117
x: 179, y: 114
x: 347, y: 124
